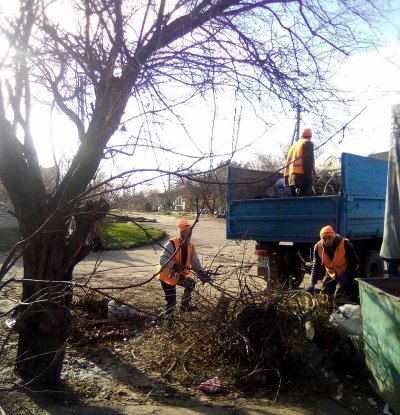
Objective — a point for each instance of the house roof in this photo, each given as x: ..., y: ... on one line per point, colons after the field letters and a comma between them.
x: 384, y: 155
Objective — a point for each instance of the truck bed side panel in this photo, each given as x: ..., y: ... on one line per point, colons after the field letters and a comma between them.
x: 364, y: 181
x: 281, y: 219
x: 250, y: 184
x: 357, y: 212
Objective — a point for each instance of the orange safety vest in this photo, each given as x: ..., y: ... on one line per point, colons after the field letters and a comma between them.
x: 294, y: 161
x: 338, y: 266
x: 168, y: 275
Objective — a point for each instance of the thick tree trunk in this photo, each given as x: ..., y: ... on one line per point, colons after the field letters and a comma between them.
x: 43, y: 321
x: 51, y: 249
x: 43, y: 328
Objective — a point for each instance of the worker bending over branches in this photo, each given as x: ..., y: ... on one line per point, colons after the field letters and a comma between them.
x: 176, y: 262
x: 338, y: 257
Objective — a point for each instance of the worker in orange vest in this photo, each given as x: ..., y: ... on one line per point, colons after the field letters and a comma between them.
x: 340, y: 260
x: 300, y: 170
x: 176, y: 262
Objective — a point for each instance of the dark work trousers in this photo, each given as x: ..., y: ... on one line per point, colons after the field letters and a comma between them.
x: 170, y: 294
x: 293, y: 190
x: 343, y: 289
x: 303, y: 189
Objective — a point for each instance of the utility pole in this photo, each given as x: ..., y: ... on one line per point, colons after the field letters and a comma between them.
x: 296, y: 131
x: 169, y: 186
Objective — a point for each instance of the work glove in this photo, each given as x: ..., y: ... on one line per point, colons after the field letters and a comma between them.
x: 310, y: 289
x: 203, y: 275
x: 178, y: 267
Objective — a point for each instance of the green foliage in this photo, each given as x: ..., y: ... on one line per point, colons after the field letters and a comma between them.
x: 9, y: 237
x: 129, y: 233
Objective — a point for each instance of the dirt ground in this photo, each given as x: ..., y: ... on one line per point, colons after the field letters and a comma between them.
x: 111, y: 379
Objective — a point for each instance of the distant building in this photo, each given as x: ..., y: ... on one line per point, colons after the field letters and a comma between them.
x: 333, y: 163
x: 179, y: 204
x: 384, y: 155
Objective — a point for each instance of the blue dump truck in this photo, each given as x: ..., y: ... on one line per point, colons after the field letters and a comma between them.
x: 285, y: 229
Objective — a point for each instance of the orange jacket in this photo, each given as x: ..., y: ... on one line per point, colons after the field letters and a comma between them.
x: 168, y: 275
x: 338, y: 266
x: 294, y: 160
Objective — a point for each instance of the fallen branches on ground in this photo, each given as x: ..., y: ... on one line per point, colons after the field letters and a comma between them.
x: 242, y: 330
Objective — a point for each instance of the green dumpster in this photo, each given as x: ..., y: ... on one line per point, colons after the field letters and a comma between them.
x: 380, y: 309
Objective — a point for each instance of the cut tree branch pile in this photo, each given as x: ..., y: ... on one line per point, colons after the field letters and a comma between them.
x: 237, y: 336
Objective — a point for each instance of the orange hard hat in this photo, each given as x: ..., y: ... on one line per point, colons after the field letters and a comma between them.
x: 183, y: 224
x: 327, y: 230
x: 307, y: 133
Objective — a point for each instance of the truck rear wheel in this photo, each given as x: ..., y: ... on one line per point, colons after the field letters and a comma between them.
x: 286, y: 269
x: 372, y: 265
x: 292, y: 272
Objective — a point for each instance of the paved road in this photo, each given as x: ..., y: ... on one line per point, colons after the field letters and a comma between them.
x: 121, y: 267
x: 208, y: 237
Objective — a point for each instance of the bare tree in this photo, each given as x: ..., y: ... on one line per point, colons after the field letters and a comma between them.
x: 206, y: 189
x: 269, y: 162
x: 105, y: 63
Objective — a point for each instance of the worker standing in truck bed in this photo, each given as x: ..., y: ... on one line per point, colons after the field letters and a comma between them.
x: 300, y: 169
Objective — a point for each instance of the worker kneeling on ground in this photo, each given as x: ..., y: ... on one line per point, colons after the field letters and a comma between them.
x: 176, y: 261
x: 340, y: 261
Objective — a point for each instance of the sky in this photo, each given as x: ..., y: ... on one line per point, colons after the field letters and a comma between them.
x: 372, y: 84
x: 373, y: 79
x: 370, y: 79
